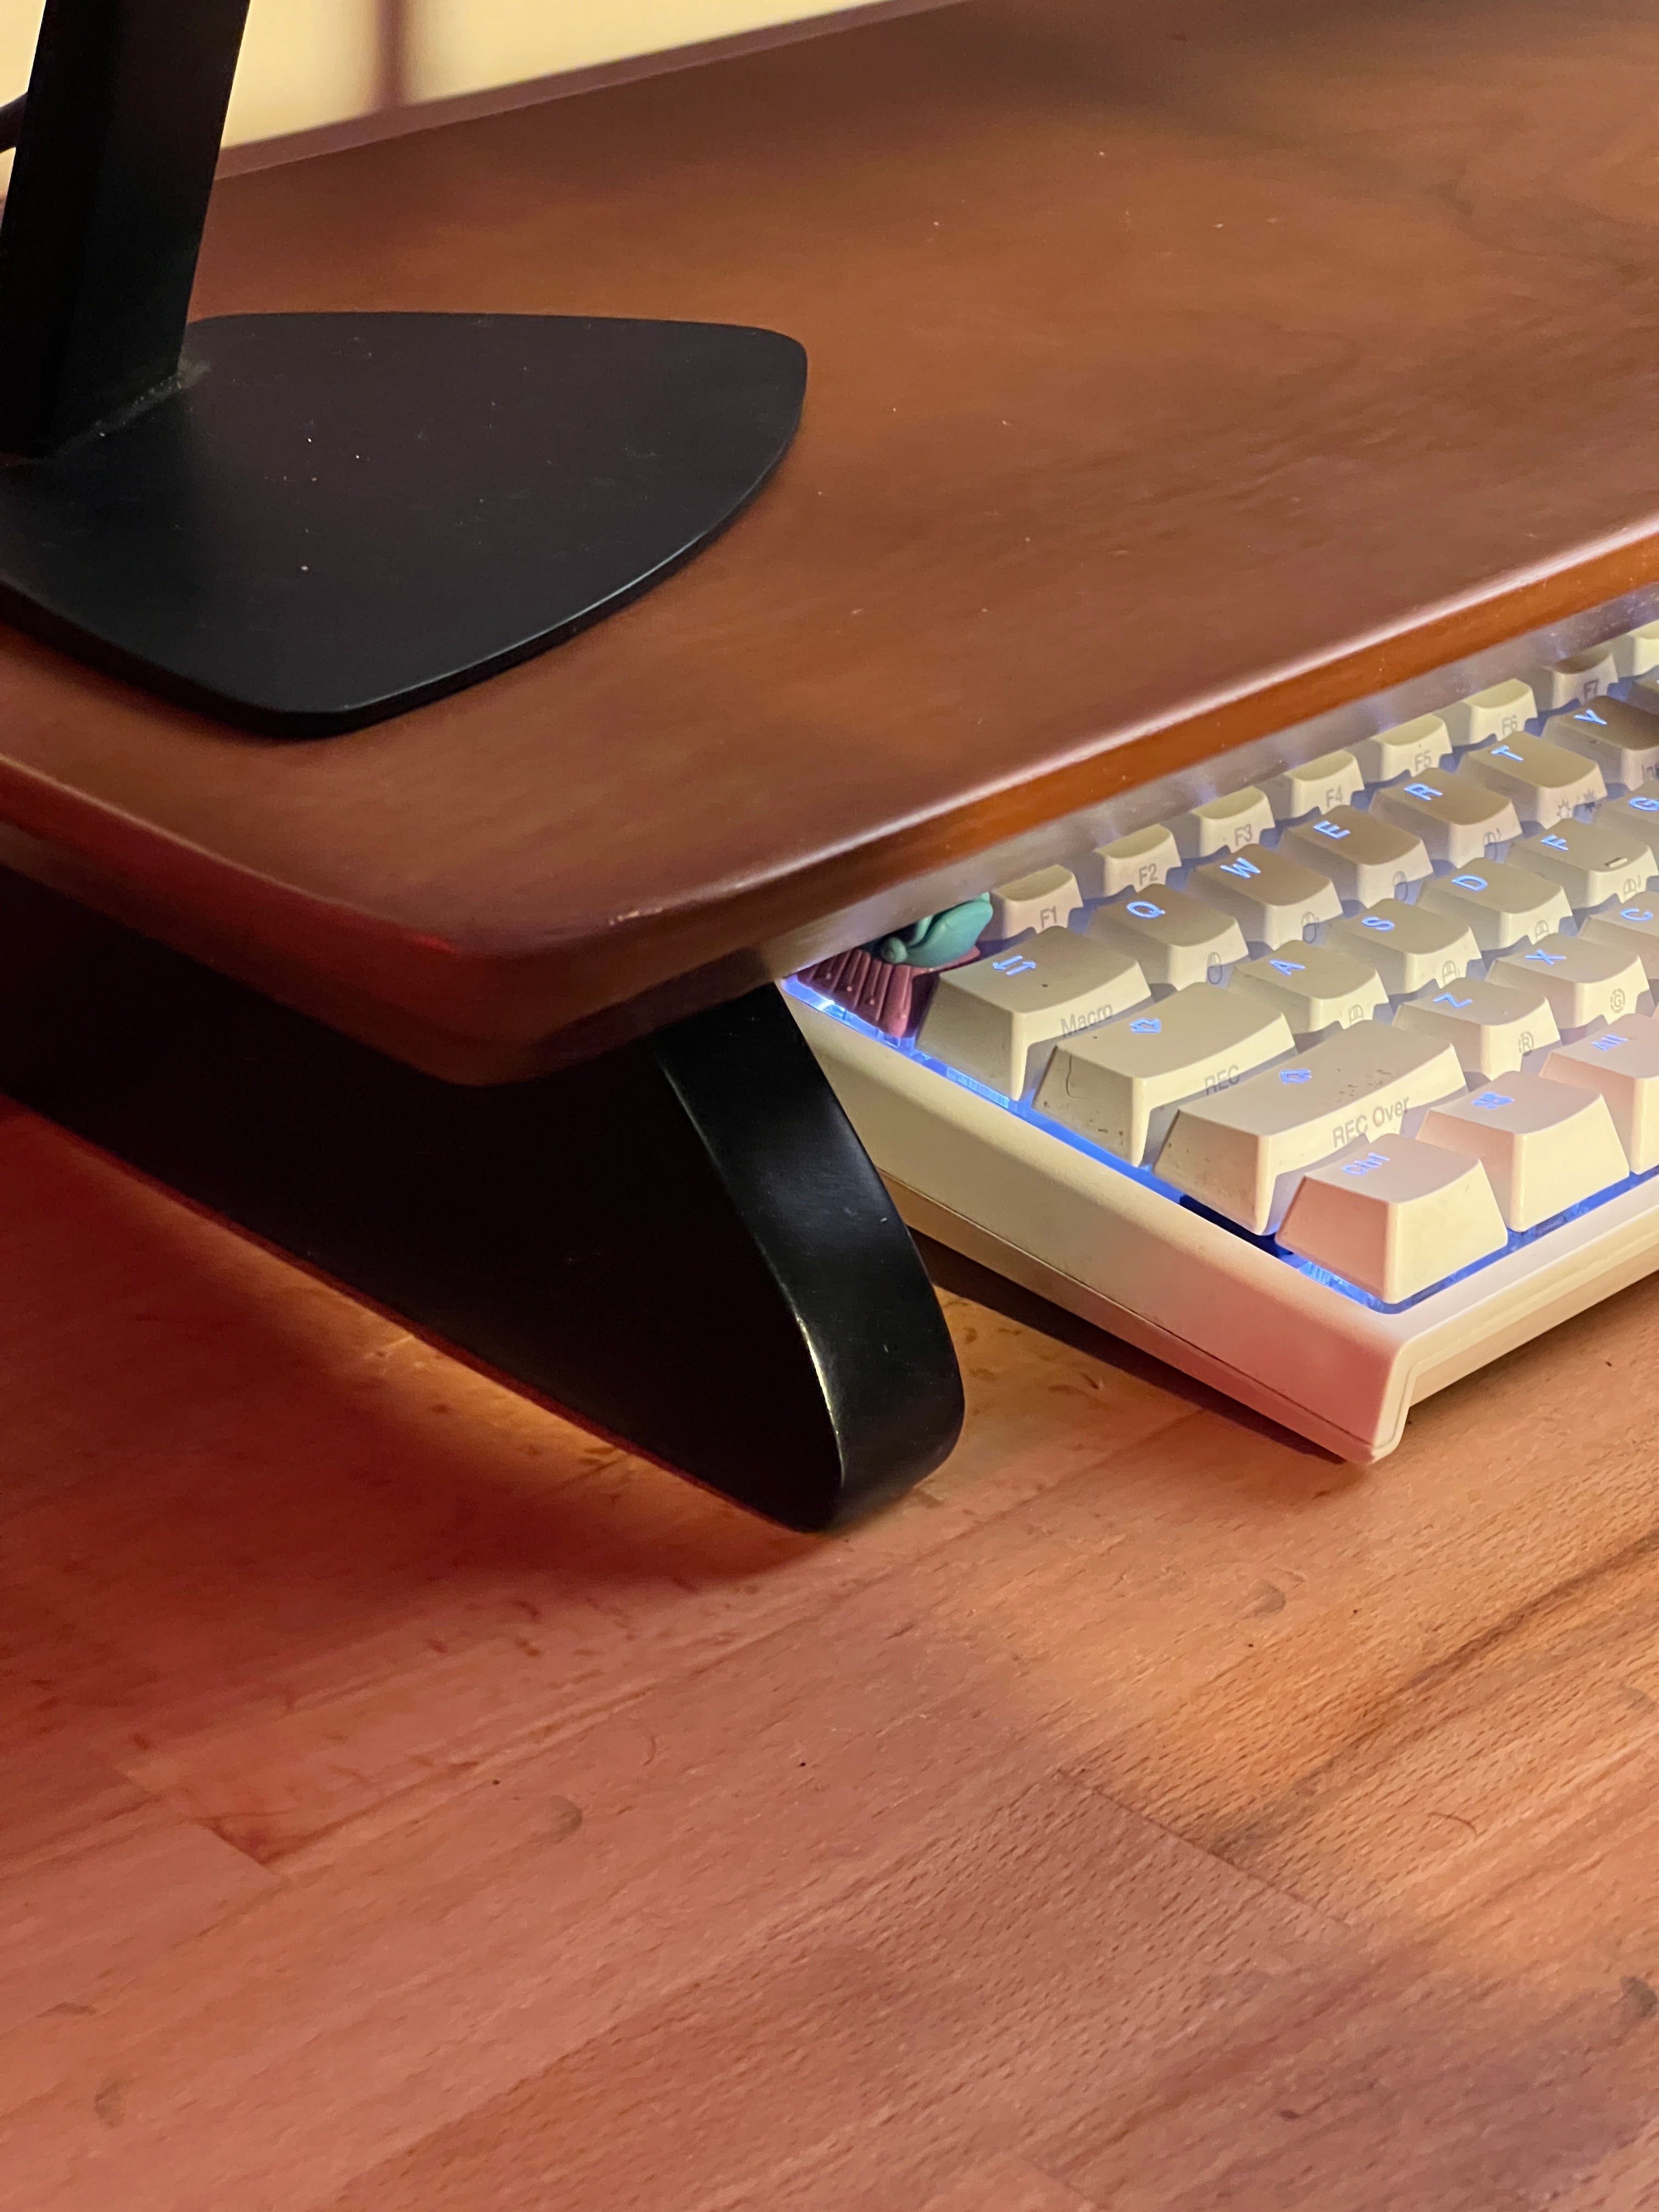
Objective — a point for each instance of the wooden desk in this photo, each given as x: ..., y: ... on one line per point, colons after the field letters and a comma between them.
x: 1170, y: 383
x: 408, y: 1804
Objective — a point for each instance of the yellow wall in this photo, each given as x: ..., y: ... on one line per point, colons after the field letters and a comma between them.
x: 311, y: 62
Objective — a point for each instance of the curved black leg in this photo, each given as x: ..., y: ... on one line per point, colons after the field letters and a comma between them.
x: 682, y: 1241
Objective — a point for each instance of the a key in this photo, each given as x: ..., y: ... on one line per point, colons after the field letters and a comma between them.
x: 1638, y: 812
x: 1544, y: 1145
x: 1046, y: 899
x: 1456, y: 819
x: 1637, y: 651
x: 1396, y: 1216
x: 1592, y: 861
x: 1129, y: 864
x: 1365, y: 857
x: 1177, y: 938
x: 1503, y: 905
x: 1233, y: 1152
x: 1541, y: 781
x: 1621, y: 739
x: 1584, y: 979
x: 1621, y: 1064
x: 996, y: 1019
x: 1497, y: 712
x: 1410, y: 946
x: 1118, y: 1085
x: 1409, y: 748
x: 1580, y: 675
x: 1315, y: 987
x: 1633, y: 927
x: 1273, y: 896
x: 1491, y: 1026
x: 1222, y: 825
x: 1316, y: 787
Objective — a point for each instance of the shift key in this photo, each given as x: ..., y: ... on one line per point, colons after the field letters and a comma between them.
x: 1240, y: 1153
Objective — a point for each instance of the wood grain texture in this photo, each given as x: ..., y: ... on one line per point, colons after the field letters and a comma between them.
x: 1172, y: 382
x: 408, y: 1804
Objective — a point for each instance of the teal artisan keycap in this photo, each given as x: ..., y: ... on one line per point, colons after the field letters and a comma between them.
x: 937, y: 938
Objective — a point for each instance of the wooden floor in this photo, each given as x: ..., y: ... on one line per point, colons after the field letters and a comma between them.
x: 410, y: 1804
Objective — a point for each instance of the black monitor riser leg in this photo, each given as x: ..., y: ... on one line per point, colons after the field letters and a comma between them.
x: 305, y: 523
x: 682, y: 1242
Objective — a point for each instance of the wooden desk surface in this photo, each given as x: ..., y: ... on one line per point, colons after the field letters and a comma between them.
x: 1170, y: 381
x: 408, y: 1804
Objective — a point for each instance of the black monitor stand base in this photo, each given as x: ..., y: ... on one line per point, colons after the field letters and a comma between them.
x: 330, y: 518
x: 302, y: 523
x: 681, y: 1242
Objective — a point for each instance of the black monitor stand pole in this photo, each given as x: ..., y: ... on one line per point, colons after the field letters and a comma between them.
x: 302, y: 523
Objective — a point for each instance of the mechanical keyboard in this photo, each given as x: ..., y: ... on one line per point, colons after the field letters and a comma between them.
x: 1328, y: 1087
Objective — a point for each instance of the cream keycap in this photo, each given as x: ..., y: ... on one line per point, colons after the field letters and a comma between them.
x: 1491, y: 1026
x: 1222, y: 825
x: 992, y: 1020
x: 1408, y: 749
x: 1638, y: 812
x: 1455, y: 819
x: 1272, y: 895
x: 1410, y: 946
x: 1632, y: 928
x: 1316, y: 787
x: 1233, y: 1153
x: 1592, y: 861
x: 1497, y: 712
x: 1177, y: 939
x: 1502, y: 905
x: 1621, y: 739
x: 1365, y: 857
x: 1396, y: 1216
x: 1542, y: 782
x: 1621, y: 1064
x: 1315, y: 987
x: 1114, y: 1085
x: 1580, y: 675
x: 1584, y: 978
x: 1046, y: 899
x: 1637, y: 651
x: 1544, y: 1145
x: 1129, y: 864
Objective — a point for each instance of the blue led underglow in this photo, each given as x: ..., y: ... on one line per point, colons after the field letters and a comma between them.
x: 1146, y: 908
x: 1519, y: 1239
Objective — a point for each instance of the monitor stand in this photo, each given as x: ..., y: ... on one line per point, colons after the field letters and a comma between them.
x: 303, y: 523
x: 681, y: 1242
